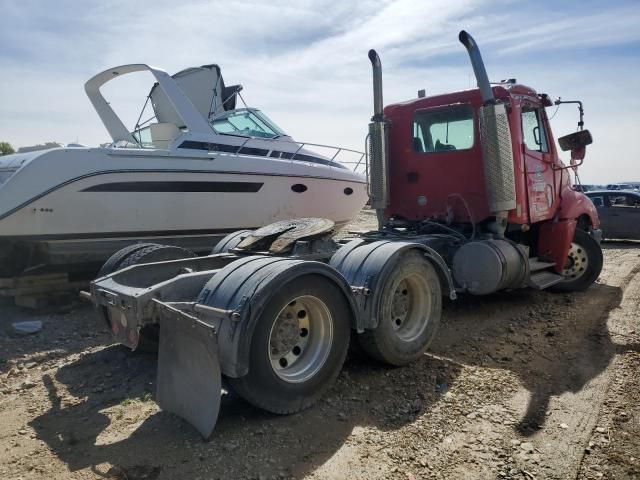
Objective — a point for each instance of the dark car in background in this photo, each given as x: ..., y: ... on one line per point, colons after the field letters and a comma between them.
x: 619, y: 213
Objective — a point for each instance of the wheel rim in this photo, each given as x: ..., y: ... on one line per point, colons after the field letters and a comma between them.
x: 300, y: 339
x: 410, y: 302
x: 577, y: 262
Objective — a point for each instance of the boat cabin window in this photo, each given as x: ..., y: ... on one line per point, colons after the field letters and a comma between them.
x: 246, y: 123
x: 443, y: 129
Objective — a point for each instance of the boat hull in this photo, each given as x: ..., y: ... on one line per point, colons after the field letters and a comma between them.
x: 82, y: 217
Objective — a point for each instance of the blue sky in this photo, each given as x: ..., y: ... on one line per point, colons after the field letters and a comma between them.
x: 304, y: 63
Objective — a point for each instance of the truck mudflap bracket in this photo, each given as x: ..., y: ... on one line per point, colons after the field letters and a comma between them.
x: 189, y: 382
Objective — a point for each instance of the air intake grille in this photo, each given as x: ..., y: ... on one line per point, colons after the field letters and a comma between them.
x: 498, y: 157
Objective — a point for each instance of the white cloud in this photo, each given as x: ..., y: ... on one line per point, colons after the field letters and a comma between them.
x: 304, y: 63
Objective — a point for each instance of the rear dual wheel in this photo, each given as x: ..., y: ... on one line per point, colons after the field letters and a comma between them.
x: 298, y: 346
x: 409, y: 312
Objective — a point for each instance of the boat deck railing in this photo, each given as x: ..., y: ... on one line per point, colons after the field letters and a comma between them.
x: 354, y: 160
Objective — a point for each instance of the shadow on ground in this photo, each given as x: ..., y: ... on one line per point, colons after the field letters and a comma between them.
x: 554, y: 344
x: 247, y: 441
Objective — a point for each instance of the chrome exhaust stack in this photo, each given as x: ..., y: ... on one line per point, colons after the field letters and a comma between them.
x: 495, y: 136
x: 378, y: 157
x: 478, y: 67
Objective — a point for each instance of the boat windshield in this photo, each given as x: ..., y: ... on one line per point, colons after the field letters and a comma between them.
x: 246, y: 123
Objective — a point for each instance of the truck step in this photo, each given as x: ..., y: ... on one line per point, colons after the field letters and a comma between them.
x: 536, y: 265
x: 544, y: 279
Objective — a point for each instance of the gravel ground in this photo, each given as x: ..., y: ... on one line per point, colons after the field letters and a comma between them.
x: 519, y: 385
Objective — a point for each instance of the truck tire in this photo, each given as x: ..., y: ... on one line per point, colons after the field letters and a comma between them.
x: 583, y: 266
x: 298, y: 346
x: 135, y: 255
x: 155, y: 253
x: 230, y: 241
x: 409, y: 312
x: 113, y: 262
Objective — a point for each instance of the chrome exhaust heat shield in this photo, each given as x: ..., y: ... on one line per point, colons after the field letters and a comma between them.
x: 377, y: 150
x: 189, y: 382
x: 497, y: 149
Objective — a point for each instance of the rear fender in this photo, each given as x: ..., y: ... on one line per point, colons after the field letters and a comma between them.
x: 554, y: 241
x: 365, y: 265
x: 244, y: 289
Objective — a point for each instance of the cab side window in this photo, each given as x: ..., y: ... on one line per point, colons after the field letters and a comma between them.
x: 624, y: 201
x: 533, y: 133
x: 418, y: 138
x: 443, y: 129
x: 598, y: 201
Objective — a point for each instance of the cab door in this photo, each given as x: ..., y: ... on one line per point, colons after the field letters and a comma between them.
x: 538, y: 157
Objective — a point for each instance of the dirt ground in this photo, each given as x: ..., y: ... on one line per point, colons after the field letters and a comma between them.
x: 520, y: 385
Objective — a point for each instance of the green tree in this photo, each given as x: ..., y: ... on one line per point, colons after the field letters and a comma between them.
x: 6, y: 148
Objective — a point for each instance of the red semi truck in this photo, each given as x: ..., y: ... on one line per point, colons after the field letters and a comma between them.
x: 471, y: 198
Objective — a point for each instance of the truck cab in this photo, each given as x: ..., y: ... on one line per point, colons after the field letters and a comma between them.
x: 436, y: 169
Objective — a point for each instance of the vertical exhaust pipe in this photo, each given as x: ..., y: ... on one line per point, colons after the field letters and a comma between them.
x: 495, y: 136
x: 376, y: 66
x: 478, y: 67
x: 378, y: 165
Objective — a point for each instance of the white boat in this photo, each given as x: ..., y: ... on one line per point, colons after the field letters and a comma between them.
x: 198, y: 169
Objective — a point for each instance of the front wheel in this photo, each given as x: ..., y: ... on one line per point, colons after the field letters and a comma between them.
x: 583, y: 265
x: 298, y: 346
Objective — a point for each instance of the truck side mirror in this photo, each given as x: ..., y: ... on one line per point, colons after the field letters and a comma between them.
x: 578, y: 154
x: 575, y: 141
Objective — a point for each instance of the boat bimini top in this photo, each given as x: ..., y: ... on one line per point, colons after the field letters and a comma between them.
x: 176, y: 99
x: 195, y: 107
x: 193, y: 100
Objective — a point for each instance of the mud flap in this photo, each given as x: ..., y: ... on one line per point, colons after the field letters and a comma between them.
x: 189, y: 381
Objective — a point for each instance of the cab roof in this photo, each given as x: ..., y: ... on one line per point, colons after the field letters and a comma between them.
x: 501, y: 92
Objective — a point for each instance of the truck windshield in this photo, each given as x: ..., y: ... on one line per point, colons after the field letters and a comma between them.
x: 247, y: 123
x: 443, y: 129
